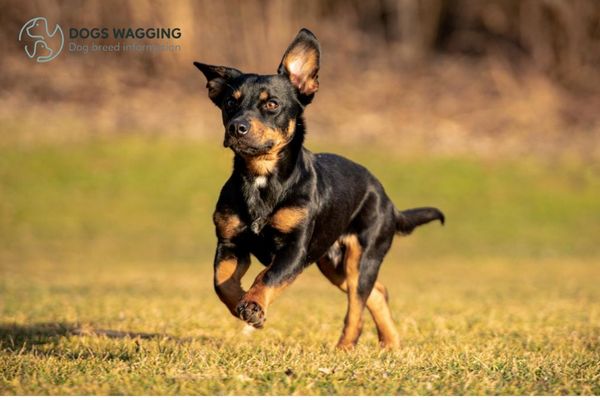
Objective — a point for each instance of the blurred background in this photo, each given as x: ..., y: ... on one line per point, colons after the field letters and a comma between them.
x: 405, y: 84
x: 487, y: 109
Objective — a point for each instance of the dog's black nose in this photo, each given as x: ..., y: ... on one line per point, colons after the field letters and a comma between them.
x: 238, y: 127
x: 242, y: 128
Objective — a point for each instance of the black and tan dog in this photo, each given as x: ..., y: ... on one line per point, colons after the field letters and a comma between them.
x: 291, y: 208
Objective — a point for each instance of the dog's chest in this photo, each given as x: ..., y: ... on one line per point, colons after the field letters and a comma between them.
x: 261, y: 199
x: 260, y: 182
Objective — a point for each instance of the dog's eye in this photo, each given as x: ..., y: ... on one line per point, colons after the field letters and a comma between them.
x: 272, y: 105
x: 231, y: 103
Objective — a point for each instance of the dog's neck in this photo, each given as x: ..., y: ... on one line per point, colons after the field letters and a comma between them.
x: 265, y: 181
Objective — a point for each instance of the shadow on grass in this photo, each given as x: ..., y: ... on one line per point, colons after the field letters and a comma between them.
x: 17, y: 337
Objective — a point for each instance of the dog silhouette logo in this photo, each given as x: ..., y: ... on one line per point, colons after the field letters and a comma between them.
x: 40, y: 44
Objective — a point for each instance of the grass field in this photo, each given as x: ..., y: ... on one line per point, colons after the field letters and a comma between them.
x: 106, y: 280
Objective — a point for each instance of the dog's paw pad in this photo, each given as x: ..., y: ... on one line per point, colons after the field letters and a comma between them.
x: 251, y: 313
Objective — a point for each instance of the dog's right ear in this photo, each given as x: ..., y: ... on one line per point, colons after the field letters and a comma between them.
x: 217, y: 77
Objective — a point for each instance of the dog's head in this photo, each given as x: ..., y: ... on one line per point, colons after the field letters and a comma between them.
x: 260, y: 111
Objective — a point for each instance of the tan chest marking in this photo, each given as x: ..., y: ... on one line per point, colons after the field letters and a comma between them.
x: 286, y: 219
x: 262, y: 165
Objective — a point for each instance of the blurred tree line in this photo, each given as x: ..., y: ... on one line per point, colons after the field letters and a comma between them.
x: 438, y: 70
x: 561, y: 37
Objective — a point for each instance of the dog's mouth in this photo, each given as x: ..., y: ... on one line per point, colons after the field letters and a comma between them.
x: 247, y: 149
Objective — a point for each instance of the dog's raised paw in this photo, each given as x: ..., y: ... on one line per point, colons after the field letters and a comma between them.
x: 251, y: 313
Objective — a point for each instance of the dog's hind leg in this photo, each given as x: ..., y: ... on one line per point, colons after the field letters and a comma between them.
x: 335, y: 266
x: 378, y: 306
x: 356, y: 303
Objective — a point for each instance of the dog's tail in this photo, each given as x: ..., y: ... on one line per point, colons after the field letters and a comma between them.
x: 408, y: 220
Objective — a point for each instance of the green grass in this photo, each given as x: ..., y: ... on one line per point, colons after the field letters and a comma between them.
x: 106, y: 287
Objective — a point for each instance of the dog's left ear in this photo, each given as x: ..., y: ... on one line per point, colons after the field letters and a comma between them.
x: 300, y: 64
x: 217, y: 77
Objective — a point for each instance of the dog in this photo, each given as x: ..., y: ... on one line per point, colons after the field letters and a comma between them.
x: 291, y: 208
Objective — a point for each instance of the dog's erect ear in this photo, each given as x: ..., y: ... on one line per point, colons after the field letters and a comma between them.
x: 300, y: 64
x: 217, y: 77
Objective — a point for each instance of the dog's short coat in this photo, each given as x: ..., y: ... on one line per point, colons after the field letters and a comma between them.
x: 291, y: 208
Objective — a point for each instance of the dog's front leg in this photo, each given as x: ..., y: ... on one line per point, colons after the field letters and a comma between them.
x: 231, y: 263
x: 287, y: 264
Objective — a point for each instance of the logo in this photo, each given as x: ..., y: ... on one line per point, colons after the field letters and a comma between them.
x: 40, y: 44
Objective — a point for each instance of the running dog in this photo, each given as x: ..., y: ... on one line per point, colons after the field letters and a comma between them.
x: 291, y: 208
